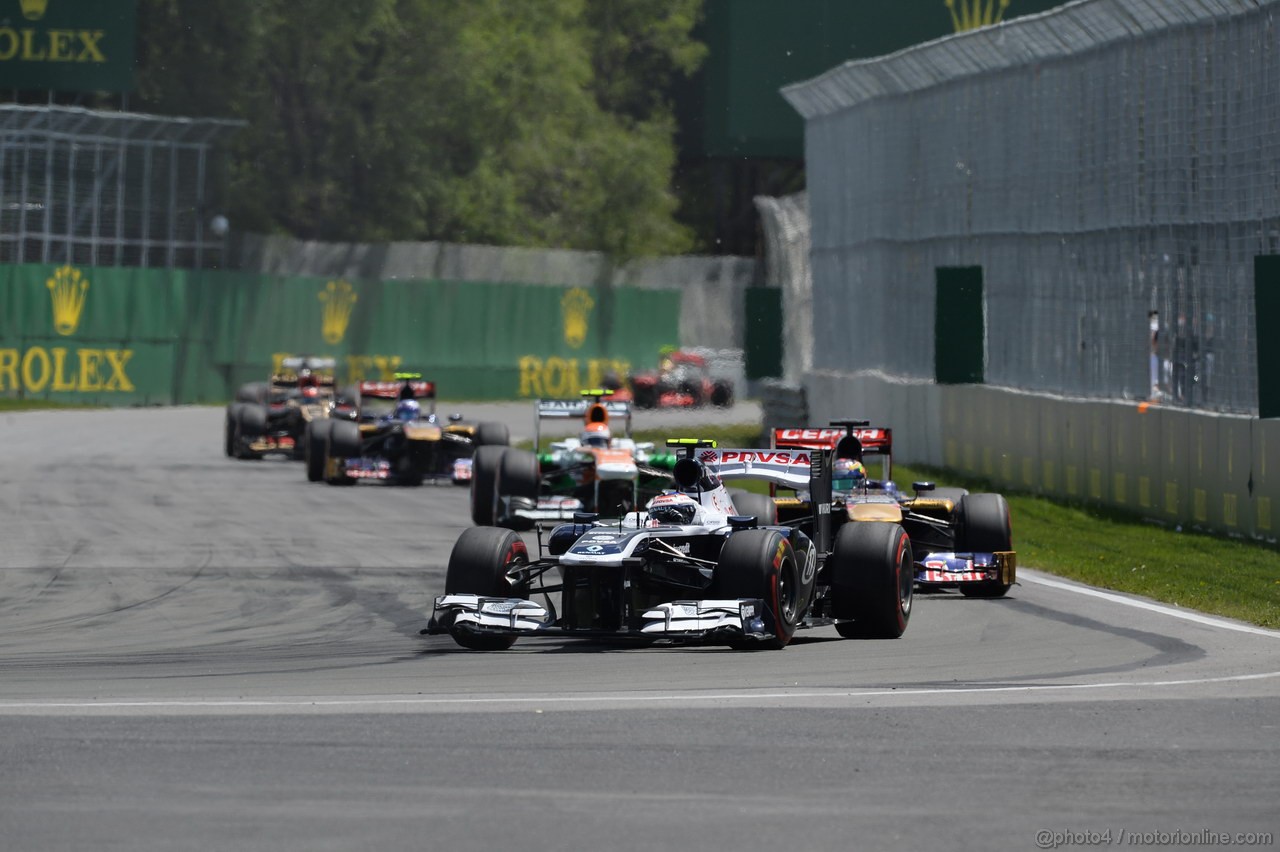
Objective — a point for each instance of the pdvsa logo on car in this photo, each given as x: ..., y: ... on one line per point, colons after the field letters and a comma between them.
x: 779, y: 457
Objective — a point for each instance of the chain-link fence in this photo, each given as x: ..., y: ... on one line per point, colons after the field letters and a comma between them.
x: 1114, y: 168
x: 107, y: 189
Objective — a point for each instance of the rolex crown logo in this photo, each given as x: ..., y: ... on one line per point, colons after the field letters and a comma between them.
x: 67, y: 288
x: 338, y: 298
x: 33, y: 10
x: 971, y: 14
x: 576, y: 307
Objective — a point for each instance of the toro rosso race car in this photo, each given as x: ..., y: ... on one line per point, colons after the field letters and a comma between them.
x: 698, y: 566
x: 683, y: 380
x: 271, y: 416
x: 397, y: 437
x: 959, y: 540
x: 594, y: 472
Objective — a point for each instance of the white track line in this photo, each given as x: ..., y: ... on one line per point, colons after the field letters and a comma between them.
x: 589, y: 698
x: 1137, y: 603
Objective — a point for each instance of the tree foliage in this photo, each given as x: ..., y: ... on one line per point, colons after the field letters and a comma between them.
x: 541, y: 123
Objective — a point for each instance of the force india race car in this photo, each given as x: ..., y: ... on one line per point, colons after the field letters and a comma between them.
x: 397, y: 438
x: 271, y: 416
x: 959, y: 540
x: 683, y: 380
x: 696, y: 567
x: 594, y: 472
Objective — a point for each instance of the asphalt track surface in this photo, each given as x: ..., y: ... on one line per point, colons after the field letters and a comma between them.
x: 202, y: 653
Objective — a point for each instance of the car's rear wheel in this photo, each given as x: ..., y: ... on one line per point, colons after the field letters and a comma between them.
x: 759, y: 506
x: 761, y: 564
x: 873, y: 580
x: 229, y: 428
x: 492, y: 435
x: 479, y: 565
x: 985, y: 527
x: 342, y: 441
x: 314, y: 439
x: 251, y: 422
x: 253, y: 392
x: 484, y: 484
x: 518, y: 476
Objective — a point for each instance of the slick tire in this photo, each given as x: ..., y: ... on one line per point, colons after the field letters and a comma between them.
x: 479, y: 565
x: 722, y: 395
x: 761, y: 564
x: 250, y: 423
x: 314, y: 440
x: 759, y: 506
x: 484, y: 484
x: 518, y: 476
x: 253, y: 392
x: 984, y: 526
x: 492, y: 435
x: 229, y: 428
x: 342, y: 441
x: 873, y: 580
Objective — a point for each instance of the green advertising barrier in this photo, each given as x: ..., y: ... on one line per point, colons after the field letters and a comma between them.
x: 132, y: 336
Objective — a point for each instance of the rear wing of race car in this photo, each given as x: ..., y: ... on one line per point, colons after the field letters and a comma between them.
x: 850, y: 439
x: 289, y: 370
x: 703, y: 464
x: 591, y: 407
x: 413, y: 388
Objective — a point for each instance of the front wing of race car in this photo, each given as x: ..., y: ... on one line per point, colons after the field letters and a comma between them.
x: 954, y: 569
x: 680, y: 621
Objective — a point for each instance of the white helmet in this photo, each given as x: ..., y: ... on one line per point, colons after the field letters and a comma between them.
x: 674, y: 508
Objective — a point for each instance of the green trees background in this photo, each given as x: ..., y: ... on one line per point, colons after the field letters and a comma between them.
x: 543, y: 123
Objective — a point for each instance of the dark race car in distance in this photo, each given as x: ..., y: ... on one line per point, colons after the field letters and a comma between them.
x: 959, y: 540
x: 397, y: 437
x: 271, y: 417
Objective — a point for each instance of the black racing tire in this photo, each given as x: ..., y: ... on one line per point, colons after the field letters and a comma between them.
x: 872, y: 580
x: 722, y: 394
x: 984, y: 527
x: 253, y: 420
x: 250, y: 423
x: 645, y: 396
x: 518, y: 476
x: 229, y: 428
x: 253, y: 392
x: 478, y: 565
x: 314, y: 439
x: 492, y: 435
x: 484, y: 484
x: 342, y: 441
x: 761, y: 564
x: 759, y: 506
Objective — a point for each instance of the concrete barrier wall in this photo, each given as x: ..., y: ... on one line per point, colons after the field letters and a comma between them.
x: 1208, y: 471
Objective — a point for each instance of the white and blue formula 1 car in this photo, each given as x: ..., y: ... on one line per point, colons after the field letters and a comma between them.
x: 697, y: 566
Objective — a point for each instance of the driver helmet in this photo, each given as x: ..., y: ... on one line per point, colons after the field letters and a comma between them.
x: 596, y: 435
x: 307, y: 379
x: 407, y: 410
x: 847, y: 474
x: 678, y: 509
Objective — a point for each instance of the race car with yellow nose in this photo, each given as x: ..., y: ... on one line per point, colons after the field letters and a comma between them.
x: 700, y: 564
x: 397, y: 438
x: 960, y: 540
x: 596, y: 471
